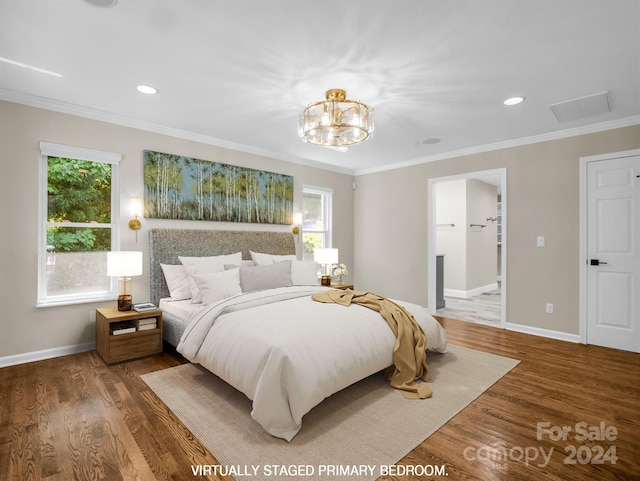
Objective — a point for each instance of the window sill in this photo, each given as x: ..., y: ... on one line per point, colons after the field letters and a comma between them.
x: 74, y: 301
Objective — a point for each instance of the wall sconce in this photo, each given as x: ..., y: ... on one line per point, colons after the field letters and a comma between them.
x: 297, y: 225
x: 135, y: 207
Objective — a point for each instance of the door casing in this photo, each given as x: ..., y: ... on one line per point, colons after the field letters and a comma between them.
x: 431, y: 235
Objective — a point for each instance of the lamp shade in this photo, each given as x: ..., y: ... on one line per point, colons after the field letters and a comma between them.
x: 325, y: 256
x: 124, y: 263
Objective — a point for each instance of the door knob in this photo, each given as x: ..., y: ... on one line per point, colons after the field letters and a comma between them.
x: 596, y: 262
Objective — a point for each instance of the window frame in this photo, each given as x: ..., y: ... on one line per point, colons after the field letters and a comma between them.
x: 50, y: 149
x: 326, y: 194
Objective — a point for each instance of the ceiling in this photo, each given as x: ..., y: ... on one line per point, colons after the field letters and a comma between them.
x: 236, y: 73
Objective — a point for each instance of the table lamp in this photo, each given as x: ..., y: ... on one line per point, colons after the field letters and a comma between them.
x: 326, y: 257
x: 124, y: 265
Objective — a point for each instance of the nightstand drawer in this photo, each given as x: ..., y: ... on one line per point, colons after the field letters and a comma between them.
x: 135, y: 345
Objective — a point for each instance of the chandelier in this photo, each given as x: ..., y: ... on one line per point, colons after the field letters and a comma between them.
x: 336, y: 121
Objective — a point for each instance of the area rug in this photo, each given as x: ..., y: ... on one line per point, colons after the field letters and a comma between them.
x: 355, y: 434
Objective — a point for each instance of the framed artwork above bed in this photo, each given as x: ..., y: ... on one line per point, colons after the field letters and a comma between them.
x: 179, y: 187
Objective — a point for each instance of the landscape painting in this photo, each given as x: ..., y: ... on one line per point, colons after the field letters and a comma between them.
x: 178, y: 187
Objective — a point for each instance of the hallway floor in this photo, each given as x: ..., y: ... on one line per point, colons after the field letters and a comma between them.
x: 482, y: 309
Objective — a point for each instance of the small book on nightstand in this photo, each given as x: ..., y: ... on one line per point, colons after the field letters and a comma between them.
x: 146, y: 324
x: 124, y: 327
x: 144, y: 306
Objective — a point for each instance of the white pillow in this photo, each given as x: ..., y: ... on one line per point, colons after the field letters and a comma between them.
x: 216, y: 286
x: 265, y: 259
x: 304, y: 273
x: 212, y: 263
x: 199, y: 269
x: 177, y: 279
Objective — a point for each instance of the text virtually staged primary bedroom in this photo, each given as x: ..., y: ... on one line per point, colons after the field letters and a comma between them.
x: 232, y: 252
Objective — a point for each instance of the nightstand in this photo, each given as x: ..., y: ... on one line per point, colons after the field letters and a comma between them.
x: 142, y: 342
x: 341, y: 286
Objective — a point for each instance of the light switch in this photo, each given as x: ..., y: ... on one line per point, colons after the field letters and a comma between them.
x: 540, y: 241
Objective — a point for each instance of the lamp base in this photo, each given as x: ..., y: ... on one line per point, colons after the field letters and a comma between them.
x: 124, y: 302
x: 325, y: 280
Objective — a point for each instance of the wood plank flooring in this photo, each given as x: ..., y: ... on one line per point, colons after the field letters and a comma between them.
x: 74, y: 418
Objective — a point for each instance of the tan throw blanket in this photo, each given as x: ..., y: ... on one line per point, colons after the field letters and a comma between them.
x: 409, y: 352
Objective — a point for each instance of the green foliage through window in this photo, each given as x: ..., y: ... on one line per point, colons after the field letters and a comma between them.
x: 78, y: 191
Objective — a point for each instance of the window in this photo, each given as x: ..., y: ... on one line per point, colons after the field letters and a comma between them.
x: 316, y: 219
x: 78, y: 219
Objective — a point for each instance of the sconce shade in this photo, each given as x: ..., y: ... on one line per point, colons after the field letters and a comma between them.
x: 135, y: 205
x: 124, y: 263
x: 297, y: 222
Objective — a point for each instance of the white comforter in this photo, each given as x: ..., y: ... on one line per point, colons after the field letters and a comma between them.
x: 287, y: 353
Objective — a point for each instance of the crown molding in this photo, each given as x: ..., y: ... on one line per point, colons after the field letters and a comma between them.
x: 94, y: 114
x: 535, y: 139
x: 102, y: 116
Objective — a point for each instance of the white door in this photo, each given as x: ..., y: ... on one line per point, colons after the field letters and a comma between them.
x: 613, y: 250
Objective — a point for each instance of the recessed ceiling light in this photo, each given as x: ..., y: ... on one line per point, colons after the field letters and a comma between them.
x: 102, y: 3
x: 514, y: 101
x: 147, y: 89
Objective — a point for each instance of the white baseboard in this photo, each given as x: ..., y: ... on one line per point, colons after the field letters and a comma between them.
x: 537, y: 331
x: 471, y: 293
x: 45, y: 354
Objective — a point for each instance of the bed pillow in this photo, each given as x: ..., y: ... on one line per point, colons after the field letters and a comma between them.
x: 304, y: 273
x: 199, y: 269
x: 177, y: 279
x: 260, y: 259
x: 257, y: 278
x: 215, y: 286
x: 212, y: 263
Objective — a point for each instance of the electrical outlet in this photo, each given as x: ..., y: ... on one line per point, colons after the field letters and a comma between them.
x: 540, y: 241
x: 549, y: 308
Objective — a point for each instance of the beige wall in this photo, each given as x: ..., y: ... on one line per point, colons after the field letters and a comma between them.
x: 386, y: 220
x: 542, y: 199
x: 25, y: 328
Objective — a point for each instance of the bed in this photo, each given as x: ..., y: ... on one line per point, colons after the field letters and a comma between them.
x: 167, y: 245
x: 283, y: 350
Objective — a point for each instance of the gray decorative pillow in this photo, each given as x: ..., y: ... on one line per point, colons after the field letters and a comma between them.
x: 256, y: 278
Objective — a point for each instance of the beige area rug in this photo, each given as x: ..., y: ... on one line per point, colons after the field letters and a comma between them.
x: 367, y: 424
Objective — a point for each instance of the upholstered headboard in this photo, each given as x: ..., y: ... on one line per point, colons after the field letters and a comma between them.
x: 165, y: 245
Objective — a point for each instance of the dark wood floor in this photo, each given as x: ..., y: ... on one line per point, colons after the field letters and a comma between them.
x: 74, y: 418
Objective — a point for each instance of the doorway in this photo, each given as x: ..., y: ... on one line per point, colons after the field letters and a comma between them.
x: 610, y: 262
x: 496, y: 297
